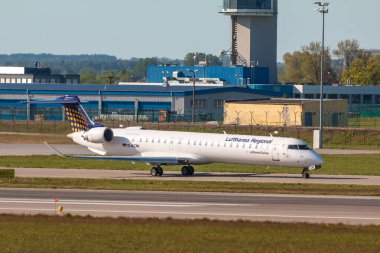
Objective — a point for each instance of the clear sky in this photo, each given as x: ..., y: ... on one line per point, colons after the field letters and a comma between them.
x: 171, y: 28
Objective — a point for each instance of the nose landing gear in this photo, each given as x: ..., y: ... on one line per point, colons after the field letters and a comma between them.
x: 305, y: 173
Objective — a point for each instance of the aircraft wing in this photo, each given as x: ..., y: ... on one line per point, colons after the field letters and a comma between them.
x: 146, y: 159
x: 154, y: 160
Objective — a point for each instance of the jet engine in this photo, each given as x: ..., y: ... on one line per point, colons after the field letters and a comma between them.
x: 98, y: 135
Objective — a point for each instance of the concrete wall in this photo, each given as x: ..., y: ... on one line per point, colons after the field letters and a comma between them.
x: 282, y: 114
x: 262, y: 114
x: 264, y: 44
x: 217, y: 112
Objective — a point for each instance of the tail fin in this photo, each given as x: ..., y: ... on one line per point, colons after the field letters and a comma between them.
x: 78, y: 117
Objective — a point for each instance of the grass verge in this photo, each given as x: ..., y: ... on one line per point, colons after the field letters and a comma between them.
x: 34, y: 139
x: 192, y: 186
x: 87, y: 234
x: 334, y: 165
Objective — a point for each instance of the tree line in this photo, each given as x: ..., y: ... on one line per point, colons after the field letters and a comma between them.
x: 351, y: 66
x: 103, y: 69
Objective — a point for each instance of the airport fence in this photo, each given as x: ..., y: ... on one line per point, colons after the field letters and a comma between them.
x: 350, y: 138
x: 365, y: 119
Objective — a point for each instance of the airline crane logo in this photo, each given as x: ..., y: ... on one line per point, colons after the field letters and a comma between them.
x: 77, y: 120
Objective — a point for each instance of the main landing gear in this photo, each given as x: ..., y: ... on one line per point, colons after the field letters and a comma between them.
x: 305, y: 173
x: 187, y: 171
x: 156, y: 171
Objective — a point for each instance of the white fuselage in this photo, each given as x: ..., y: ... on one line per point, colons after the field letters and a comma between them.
x: 203, y: 148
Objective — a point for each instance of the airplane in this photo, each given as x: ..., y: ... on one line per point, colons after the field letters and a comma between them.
x: 159, y: 148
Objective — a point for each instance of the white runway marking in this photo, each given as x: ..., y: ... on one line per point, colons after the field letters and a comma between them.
x: 178, y: 205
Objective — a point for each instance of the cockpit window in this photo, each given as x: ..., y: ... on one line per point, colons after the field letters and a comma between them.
x: 303, y: 147
x: 299, y: 147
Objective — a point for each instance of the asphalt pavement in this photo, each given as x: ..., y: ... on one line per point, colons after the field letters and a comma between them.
x: 182, y: 205
x: 199, y: 176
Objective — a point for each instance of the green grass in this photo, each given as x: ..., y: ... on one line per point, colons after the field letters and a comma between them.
x: 373, y: 123
x: 51, y: 127
x: 34, y: 139
x: 86, y: 234
x: 334, y: 165
x: 191, y: 186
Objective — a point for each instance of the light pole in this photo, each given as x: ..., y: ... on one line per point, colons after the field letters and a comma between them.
x: 322, y: 8
x: 193, y: 103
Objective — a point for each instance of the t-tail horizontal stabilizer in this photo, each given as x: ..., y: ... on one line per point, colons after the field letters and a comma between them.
x: 75, y: 113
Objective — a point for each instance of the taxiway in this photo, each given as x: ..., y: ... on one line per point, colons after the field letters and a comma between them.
x: 254, y: 207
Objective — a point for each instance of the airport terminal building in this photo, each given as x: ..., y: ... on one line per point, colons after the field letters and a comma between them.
x: 18, y: 75
x: 140, y: 101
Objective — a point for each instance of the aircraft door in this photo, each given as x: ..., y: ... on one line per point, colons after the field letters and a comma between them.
x: 276, y: 153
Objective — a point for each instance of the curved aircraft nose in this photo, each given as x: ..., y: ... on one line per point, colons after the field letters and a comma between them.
x: 317, y: 159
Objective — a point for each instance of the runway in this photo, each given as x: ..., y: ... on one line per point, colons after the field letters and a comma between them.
x: 42, y: 149
x: 254, y: 207
x: 199, y: 176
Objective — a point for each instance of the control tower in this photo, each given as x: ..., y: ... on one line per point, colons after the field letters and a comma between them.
x: 254, y: 33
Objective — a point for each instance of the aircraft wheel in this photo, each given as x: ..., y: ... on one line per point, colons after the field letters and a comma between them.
x: 305, y: 173
x: 185, y: 171
x: 154, y: 171
x: 191, y: 170
x: 160, y: 171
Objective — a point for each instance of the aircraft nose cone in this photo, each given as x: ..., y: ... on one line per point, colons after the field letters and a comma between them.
x: 318, y: 159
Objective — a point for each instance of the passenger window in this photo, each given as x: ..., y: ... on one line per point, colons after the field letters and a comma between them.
x: 212, y: 144
x: 179, y: 142
x: 237, y: 145
x: 200, y: 143
x: 152, y: 140
x: 206, y: 143
x: 188, y: 142
x: 195, y: 143
x: 140, y: 139
x: 165, y: 141
x: 225, y: 144
x: 243, y: 145
x: 159, y: 141
x: 146, y: 140
x: 231, y: 145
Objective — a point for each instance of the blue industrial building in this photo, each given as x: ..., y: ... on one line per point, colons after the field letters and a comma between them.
x: 235, y: 75
x: 137, y: 101
x: 286, y: 90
